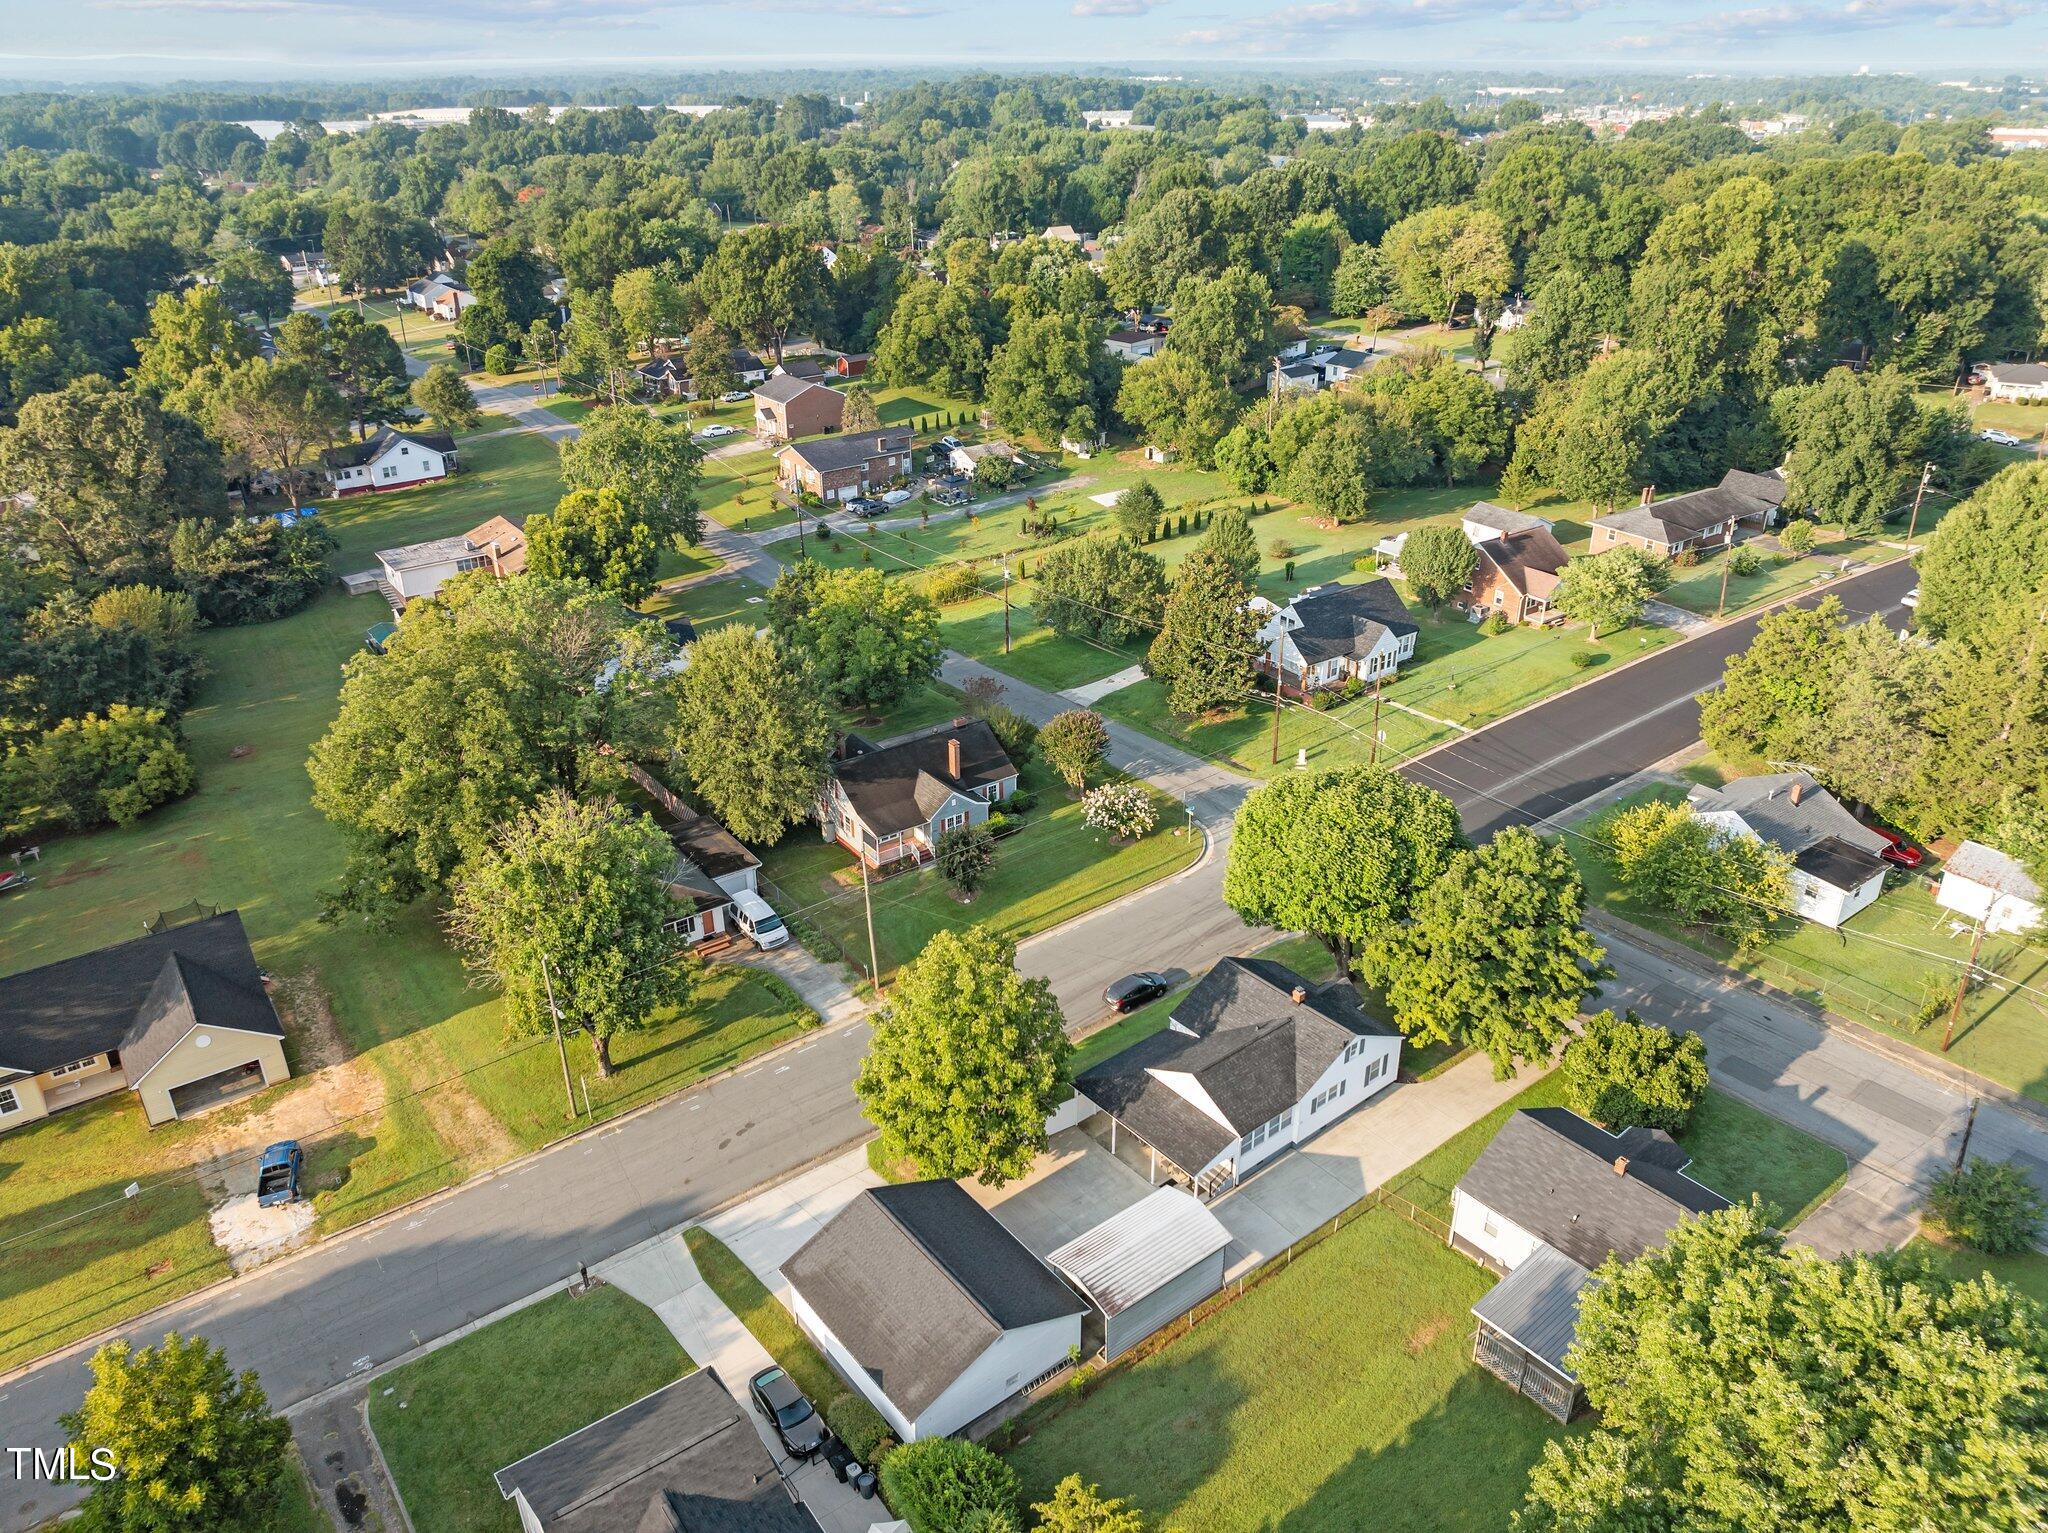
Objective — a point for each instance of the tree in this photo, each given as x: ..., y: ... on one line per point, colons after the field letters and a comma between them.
x: 98, y: 477
x: 1858, y: 442
x: 1493, y: 955
x: 1245, y: 458
x: 1437, y: 562
x: 1073, y: 744
x: 1079, y: 1508
x: 1623, y: 1072
x: 1208, y: 637
x: 1341, y: 855
x: 486, y: 699
x: 188, y: 332
x: 762, y: 282
x: 93, y: 770
x: 709, y: 359
x: 1608, y: 590
x: 193, y: 1447
x: 446, y: 400
x: 253, y: 281
x: 1446, y: 257
x: 1309, y: 252
x: 1361, y: 282
x: 1175, y: 401
x: 941, y: 1484
x: 1666, y: 858
x: 741, y: 685
x: 938, y: 336
x: 364, y: 364
x: 250, y: 571
x: 1138, y: 511
x: 1741, y: 1385
x: 1992, y: 546
x: 541, y: 346
x: 1124, y: 809
x: 567, y: 906
x: 169, y: 615
x: 871, y: 640
x: 652, y: 304
x: 1102, y: 588
x: 592, y: 536
x: 1775, y: 697
x: 1230, y: 538
x: 1987, y: 1205
x: 507, y: 279
x: 966, y: 855
x: 1224, y: 325
x: 967, y: 1060
x: 597, y: 358
x: 1052, y: 378
x: 861, y: 413
x: 277, y: 416
x: 993, y: 473
x: 653, y: 469
x: 1597, y: 438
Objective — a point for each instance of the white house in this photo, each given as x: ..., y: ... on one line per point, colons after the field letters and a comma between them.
x: 1549, y: 1200
x: 1837, y: 866
x: 930, y: 1308
x: 441, y: 295
x: 1984, y: 884
x: 1329, y: 635
x: 2015, y: 381
x: 390, y: 460
x: 965, y: 459
x: 415, y: 571
x: 1253, y: 1060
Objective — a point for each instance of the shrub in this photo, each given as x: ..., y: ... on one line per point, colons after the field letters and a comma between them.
x: 160, y: 614
x: 952, y: 583
x: 92, y: 770
x: 1280, y: 550
x: 1989, y: 1205
x: 1494, y: 624
x: 1685, y: 559
x: 937, y: 1483
x: 1745, y: 563
x: 1623, y: 1072
x: 861, y: 1427
x: 1124, y: 809
x: 498, y: 360
x: 249, y: 572
x: 1581, y: 658
x: 1366, y: 564
x: 965, y: 855
x: 997, y: 822
x: 1072, y: 742
x: 1797, y: 536
x: 1017, y: 735
x: 1021, y: 801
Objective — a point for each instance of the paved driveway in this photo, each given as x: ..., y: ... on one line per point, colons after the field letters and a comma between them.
x: 1075, y: 1185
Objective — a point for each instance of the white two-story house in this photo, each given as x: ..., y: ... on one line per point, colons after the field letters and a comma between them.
x: 1330, y: 634
x: 390, y: 460
x: 888, y: 803
x: 1253, y: 1060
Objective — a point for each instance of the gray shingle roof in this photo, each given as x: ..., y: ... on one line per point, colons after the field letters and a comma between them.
x: 88, y: 1005
x: 1739, y: 495
x: 1765, y: 804
x: 2024, y: 374
x: 1768, y: 487
x: 1553, y: 1173
x: 1988, y: 866
x: 897, y: 786
x: 784, y: 387
x: 1500, y: 518
x: 1348, y: 619
x: 1538, y: 1305
x: 917, y: 1281
x: 850, y: 449
x: 685, y: 1457
x: 357, y: 453
x: 190, y: 993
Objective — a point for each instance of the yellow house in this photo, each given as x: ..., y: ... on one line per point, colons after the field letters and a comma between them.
x: 179, y: 1017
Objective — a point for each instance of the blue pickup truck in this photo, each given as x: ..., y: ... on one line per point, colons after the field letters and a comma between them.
x: 277, y: 1174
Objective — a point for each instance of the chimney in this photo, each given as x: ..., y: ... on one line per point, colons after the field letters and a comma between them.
x: 1649, y: 493
x: 953, y: 757
x: 1297, y: 995
x: 1798, y: 788
x: 1621, y: 1165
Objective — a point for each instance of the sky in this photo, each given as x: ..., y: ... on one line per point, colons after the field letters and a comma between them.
x: 363, y: 38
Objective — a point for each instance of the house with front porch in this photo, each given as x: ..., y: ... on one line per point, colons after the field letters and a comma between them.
x: 710, y: 867
x: 1517, y: 563
x: 1696, y: 521
x: 1253, y: 1061
x: 2015, y: 382
x: 888, y: 804
x: 1332, y: 634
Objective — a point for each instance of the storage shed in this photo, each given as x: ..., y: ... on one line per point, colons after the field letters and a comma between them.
x: 1144, y: 1267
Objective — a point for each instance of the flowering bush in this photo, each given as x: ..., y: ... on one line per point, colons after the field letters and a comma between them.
x: 1124, y: 809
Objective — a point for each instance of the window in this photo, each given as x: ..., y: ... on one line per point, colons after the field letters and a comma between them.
x: 1373, y: 1070
x: 9, y: 1102
x: 1489, y: 1225
x: 76, y: 1065
x: 952, y: 822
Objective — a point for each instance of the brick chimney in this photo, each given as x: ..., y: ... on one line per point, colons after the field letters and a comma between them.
x: 1621, y: 1165
x: 1798, y: 788
x: 953, y: 757
x: 1649, y: 494
x: 1297, y: 995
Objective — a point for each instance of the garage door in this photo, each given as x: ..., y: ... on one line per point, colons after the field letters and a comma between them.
x: 211, y: 1090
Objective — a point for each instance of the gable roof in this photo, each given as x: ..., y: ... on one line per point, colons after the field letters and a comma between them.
x: 1768, y: 487
x: 381, y: 441
x: 684, y: 1457
x: 91, y: 1004
x: 784, y: 387
x: 506, y: 537
x: 801, y: 367
x: 897, y: 786
x: 1348, y: 619
x: 850, y: 449
x: 917, y: 1281
x: 1765, y: 804
x: 1530, y: 559
x: 1500, y: 519
x: 1739, y: 495
x: 1553, y: 1173
x: 1988, y: 866
x: 2024, y: 374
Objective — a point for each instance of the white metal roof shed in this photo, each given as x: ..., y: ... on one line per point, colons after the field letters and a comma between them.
x: 1134, y: 1254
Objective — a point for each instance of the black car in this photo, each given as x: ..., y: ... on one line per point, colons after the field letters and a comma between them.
x: 800, y: 1427
x: 1134, y: 990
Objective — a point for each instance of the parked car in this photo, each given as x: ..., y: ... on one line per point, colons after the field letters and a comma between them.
x: 947, y: 442
x: 864, y: 507
x: 1911, y: 598
x: 1901, y: 852
x: 720, y: 430
x: 277, y: 1174
x: 757, y: 918
x: 1999, y: 438
x: 733, y: 396
x: 797, y: 1422
x: 896, y: 497
x: 1134, y: 990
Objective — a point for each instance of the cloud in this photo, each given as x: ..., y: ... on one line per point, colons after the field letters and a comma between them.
x: 1812, y: 18
x: 1115, y: 7
x: 1294, y: 27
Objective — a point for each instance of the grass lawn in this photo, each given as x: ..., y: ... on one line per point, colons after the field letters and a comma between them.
x: 2028, y: 1271
x: 710, y: 603
x: 1337, y: 1395
x: 1736, y: 1150
x: 760, y: 1312
x: 512, y: 476
x: 298, y: 1509
x: 1899, y: 955
x: 449, y: 1421
x: 735, y: 492
x: 1698, y: 589
x: 1052, y: 870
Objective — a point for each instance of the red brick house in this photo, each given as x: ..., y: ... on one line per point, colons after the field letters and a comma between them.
x: 786, y: 408
x: 835, y: 468
x: 1702, y: 519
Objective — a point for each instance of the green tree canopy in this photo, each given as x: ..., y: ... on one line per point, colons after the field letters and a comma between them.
x: 1774, y: 697
x: 763, y: 282
x: 1858, y: 442
x: 654, y: 469
x: 1608, y: 590
x: 1437, y: 561
x: 1102, y: 587
x: 1207, y: 639
x: 1079, y: 1508
x: 1138, y: 510
x: 1623, y: 1072
x: 1073, y: 742
x: 968, y: 1059
x: 1177, y: 402
x: 1052, y: 378
x: 1666, y: 858
x: 446, y: 400
x: 1992, y: 546
x: 1230, y: 538
x: 592, y: 535
x: 741, y: 685
x: 871, y: 640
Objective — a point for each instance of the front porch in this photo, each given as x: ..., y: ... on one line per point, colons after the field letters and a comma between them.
x: 87, y: 1088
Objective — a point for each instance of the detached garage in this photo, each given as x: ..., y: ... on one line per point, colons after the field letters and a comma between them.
x: 1144, y: 1268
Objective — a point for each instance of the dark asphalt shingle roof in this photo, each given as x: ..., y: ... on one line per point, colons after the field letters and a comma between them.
x: 708, y: 844
x: 1834, y: 861
x: 685, y: 1457
x: 1768, y: 487
x: 2024, y: 374
x: 1348, y: 620
x: 897, y: 786
x: 1501, y: 519
x: 356, y: 454
x: 1553, y: 1173
x: 850, y: 449
x: 917, y: 1281
x: 1530, y: 559
x: 1739, y: 494
x: 190, y: 992
x: 783, y: 387
x: 1765, y: 804
x: 91, y: 1004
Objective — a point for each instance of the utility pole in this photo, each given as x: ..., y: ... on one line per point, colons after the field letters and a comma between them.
x: 1006, y: 603
x: 1926, y: 473
x: 1273, y: 394
x: 1963, y: 987
x: 867, y: 899
x: 1276, y: 700
x: 1374, y: 759
x: 1727, y: 558
x: 561, y: 1048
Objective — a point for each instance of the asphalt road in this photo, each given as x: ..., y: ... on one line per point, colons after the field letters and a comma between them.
x: 356, y: 1302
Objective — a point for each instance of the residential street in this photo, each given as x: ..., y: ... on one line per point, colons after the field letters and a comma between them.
x: 358, y: 1302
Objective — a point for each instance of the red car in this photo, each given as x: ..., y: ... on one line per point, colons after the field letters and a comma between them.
x: 1901, y: 852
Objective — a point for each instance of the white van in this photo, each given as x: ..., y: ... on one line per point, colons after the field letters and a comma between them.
x: 757, y: 918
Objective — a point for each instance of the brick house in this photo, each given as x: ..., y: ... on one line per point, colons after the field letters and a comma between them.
x: 844, y: 467
x: 1517, y: 564
x: 786, y: 408
x: 1700, y: 520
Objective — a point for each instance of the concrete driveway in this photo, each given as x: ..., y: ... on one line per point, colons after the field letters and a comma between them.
x: 1075, y: 1185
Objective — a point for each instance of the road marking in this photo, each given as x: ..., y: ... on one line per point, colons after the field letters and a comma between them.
x: 359, y: 1364
x: 782, y: 1069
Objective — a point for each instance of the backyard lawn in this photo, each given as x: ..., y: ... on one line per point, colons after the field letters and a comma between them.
x: 449, y: 1421
x: 512, y: 476
x: 1893, y: 966
x: 1051, y: 870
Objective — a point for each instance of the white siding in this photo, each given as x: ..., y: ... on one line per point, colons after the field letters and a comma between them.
x: 1825, y: 904
x: 1484, y: 1230
x: 1980, y: 902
